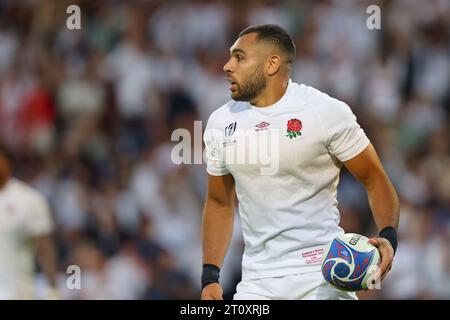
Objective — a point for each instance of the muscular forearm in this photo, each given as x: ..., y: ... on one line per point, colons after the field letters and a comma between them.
x: 217, y: 231
x: 383, y: 201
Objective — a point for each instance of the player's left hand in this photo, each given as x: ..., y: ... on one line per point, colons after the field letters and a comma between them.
x: 386, y: 254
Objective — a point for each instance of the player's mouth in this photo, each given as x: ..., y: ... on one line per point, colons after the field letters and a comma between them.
x: 233, y: 85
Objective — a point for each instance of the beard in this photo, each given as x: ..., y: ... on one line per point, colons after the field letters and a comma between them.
x: 251, y: 87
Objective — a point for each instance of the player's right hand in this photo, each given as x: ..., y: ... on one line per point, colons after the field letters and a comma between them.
x: 212, y: 291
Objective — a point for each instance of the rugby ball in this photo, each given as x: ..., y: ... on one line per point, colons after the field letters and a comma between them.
x: 350, y: 262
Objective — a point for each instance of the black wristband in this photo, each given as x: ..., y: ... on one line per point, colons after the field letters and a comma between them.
x: 390, y: 234
x: 210, y: 274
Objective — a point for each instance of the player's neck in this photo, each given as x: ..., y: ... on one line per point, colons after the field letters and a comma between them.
x: 271, y: 94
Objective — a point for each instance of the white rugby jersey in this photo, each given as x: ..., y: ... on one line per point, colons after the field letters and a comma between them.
x: 24, y: 213
x: 285, y: 160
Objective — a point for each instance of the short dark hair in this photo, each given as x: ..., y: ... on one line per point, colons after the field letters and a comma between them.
x: 274, y: 34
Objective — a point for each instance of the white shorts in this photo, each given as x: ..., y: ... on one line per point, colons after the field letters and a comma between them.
x: 307, y: 286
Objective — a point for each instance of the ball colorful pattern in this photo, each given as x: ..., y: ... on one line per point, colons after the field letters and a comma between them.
x: 350, y: 262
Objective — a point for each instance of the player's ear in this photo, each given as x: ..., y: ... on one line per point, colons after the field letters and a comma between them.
x: 273, y: 65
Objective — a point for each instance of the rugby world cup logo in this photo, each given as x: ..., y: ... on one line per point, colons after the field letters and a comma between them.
x: 230, y: 129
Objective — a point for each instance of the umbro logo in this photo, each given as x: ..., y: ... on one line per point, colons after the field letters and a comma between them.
x: 262, y: 126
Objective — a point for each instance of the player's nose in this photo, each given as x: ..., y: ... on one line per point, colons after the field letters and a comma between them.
x: 227, y: 67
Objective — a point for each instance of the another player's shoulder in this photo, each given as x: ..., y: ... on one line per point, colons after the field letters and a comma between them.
x: 26, y: 191
x: 226, y: 112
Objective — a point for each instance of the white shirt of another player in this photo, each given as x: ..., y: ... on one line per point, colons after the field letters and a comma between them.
x: 285, y: 160
x: 24, y: 214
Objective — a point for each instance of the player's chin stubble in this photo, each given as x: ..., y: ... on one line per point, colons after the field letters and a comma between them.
x: 250, y: 87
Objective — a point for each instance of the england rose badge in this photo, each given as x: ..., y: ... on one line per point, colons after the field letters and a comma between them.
x: 294, y: 126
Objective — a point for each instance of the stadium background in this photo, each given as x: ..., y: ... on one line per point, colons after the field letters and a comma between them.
x: 89, y: 115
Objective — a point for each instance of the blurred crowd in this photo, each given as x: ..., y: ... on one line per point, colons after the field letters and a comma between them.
x: 89, y: 115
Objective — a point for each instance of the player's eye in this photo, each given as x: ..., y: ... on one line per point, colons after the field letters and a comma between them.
x: 239, y: 57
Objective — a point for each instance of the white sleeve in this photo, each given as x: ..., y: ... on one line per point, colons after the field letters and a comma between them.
x: 212, y: 137
x: 345, y: 138
x: 39, y: 219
